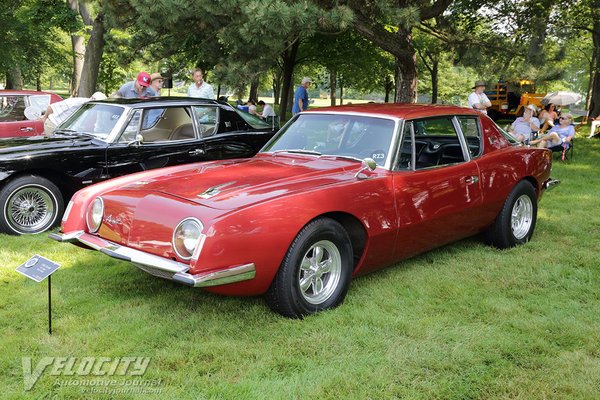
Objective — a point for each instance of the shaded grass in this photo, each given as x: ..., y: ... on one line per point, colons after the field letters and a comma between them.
x: 465, y: 321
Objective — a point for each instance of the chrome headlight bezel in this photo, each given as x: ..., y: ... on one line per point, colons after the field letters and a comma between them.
x: 95, y: 215
x: 181, y: 248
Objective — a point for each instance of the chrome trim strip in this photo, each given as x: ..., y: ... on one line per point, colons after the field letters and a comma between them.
x: 142, y: 259
x: 551, y: 184
x: 221, y: 277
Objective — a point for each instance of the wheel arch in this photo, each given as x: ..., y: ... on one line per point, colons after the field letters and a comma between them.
x: 355, y: 230
x: 61, y: 180
x: 534, y: 183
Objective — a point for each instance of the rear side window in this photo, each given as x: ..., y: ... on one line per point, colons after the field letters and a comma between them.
x: 470, y: 129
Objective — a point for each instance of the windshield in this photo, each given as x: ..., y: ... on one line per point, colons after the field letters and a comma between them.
x: 95, y: 119
x: 337, y: 135
x: 511, y: 139
x: 253, y: 120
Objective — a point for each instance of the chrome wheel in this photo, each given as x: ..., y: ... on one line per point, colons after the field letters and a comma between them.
x: 30, y: 209
x: 320, y: 272
x: 521, y: 216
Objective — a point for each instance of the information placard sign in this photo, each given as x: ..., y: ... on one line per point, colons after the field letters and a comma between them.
x: 37, y: 268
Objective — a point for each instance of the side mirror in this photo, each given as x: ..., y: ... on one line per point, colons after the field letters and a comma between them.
x: 367, y: 164
x: 139, y: 139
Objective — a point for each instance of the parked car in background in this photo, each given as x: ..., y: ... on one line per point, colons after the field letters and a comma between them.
x: 13, y: 119
x: 106, y: 139
x: 338, y: 192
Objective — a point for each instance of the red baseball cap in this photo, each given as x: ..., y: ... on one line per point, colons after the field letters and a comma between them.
x: 143, y: 79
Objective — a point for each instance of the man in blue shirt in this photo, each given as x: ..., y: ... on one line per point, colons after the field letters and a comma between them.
x: 301, y: 96
x: 140, y: 88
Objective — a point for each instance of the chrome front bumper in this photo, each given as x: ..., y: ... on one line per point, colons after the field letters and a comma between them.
x: 551, y: 184
x: 160, y: 266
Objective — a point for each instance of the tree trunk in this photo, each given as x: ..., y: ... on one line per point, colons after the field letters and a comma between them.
x: 341, y: 82
x: 78, y: 54
x: 595, y: 102
x: 276, y: 85
x: 434, y: 80
x: 406, y: 68
x: 14, y: 79
x: 254, y: 88
x: 389, y: 85
x: 93, y: 56
x: 332, y: 85
x: 38, y: 83
x: 289, y: 61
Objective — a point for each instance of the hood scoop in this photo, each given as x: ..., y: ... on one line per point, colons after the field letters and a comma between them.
x: 215, y: 190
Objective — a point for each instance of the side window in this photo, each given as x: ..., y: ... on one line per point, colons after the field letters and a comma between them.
x: 12, y: 108
x: 470, y: 129
x: 132, y: 128
x: 436, y: 143
x: 164, y: 124
x: 206, y: 118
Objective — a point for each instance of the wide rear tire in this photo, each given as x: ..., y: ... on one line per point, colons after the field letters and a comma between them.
x: 515, y: 223
x: 315, y: 273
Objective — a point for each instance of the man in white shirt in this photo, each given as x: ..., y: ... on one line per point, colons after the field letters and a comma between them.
x: 58, y: 112
x: 200, y: 88
x: 477, y: 99
x: 267, y: 110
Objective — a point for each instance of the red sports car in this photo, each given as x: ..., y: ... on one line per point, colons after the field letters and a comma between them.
x: 338, y: 192
x: 14, y: 119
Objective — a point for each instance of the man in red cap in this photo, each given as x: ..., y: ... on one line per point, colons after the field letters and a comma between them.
x: 140, y: 87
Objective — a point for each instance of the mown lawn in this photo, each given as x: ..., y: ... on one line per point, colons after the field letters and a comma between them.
x: 463, y: 322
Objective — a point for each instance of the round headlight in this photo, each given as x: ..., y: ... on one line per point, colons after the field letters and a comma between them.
x: 186, y: 237
x: 95, y: 214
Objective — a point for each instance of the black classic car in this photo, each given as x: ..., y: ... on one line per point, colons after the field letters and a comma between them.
x: 110, y: 138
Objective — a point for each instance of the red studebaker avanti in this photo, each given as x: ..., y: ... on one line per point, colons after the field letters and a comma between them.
x: 337, y: 193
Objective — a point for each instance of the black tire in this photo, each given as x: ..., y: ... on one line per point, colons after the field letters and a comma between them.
x: 516, y: 221
x: 30, y: 204
x: 287, y: 296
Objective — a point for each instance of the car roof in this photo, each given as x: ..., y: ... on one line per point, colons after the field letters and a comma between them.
x: 400, y: 110
x: 155, y: 101
x: 7, y: 92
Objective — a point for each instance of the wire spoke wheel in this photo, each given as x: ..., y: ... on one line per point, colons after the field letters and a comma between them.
x: 30, y: 204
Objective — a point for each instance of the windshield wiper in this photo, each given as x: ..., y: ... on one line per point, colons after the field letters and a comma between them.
x: 298, y: 151
x: 65, y: 131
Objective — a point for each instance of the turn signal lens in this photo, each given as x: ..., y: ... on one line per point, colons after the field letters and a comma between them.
x: 186, y: 237
x: 95, y: 215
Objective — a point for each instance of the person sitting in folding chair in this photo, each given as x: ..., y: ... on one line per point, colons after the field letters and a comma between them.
x: 560, y: 137
x: 523, y: 127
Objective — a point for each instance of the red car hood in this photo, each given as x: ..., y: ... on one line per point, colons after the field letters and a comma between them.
x: 232, y: 184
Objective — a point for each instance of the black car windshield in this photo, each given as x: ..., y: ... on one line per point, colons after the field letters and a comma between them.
x: 337, y: 135
x: 95, y: 119
x: 253, y: 120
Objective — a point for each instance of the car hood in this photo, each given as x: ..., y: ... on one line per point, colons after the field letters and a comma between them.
x: 233, y: 184
x: 33, y: 144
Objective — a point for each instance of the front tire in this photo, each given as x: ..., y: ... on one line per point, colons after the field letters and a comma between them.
x: 30, y: 204
x: 316, y: 271
x: 515, y: 223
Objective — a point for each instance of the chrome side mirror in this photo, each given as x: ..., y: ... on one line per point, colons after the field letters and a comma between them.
x: 139, y: 139
x: 367, y: 164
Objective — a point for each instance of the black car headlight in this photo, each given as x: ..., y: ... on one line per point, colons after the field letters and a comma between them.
x: 186, y: 237
x: 95, y: 215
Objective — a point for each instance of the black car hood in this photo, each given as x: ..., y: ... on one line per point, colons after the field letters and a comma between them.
x: 35, y: 144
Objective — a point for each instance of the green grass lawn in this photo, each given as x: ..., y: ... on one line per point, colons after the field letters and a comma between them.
x: 462, y: 322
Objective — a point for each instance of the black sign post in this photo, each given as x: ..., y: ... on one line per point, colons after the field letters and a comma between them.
x: 39, y: 268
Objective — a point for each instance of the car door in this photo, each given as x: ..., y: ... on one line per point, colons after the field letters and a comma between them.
x: 436, y: 185
x: 153, y: 138
x: 234, y: 136
x: 13, y: 122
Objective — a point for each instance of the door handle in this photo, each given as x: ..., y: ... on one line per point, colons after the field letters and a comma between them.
x: 26, y: 129
x: 196, y: 152
x: 471, y: 179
